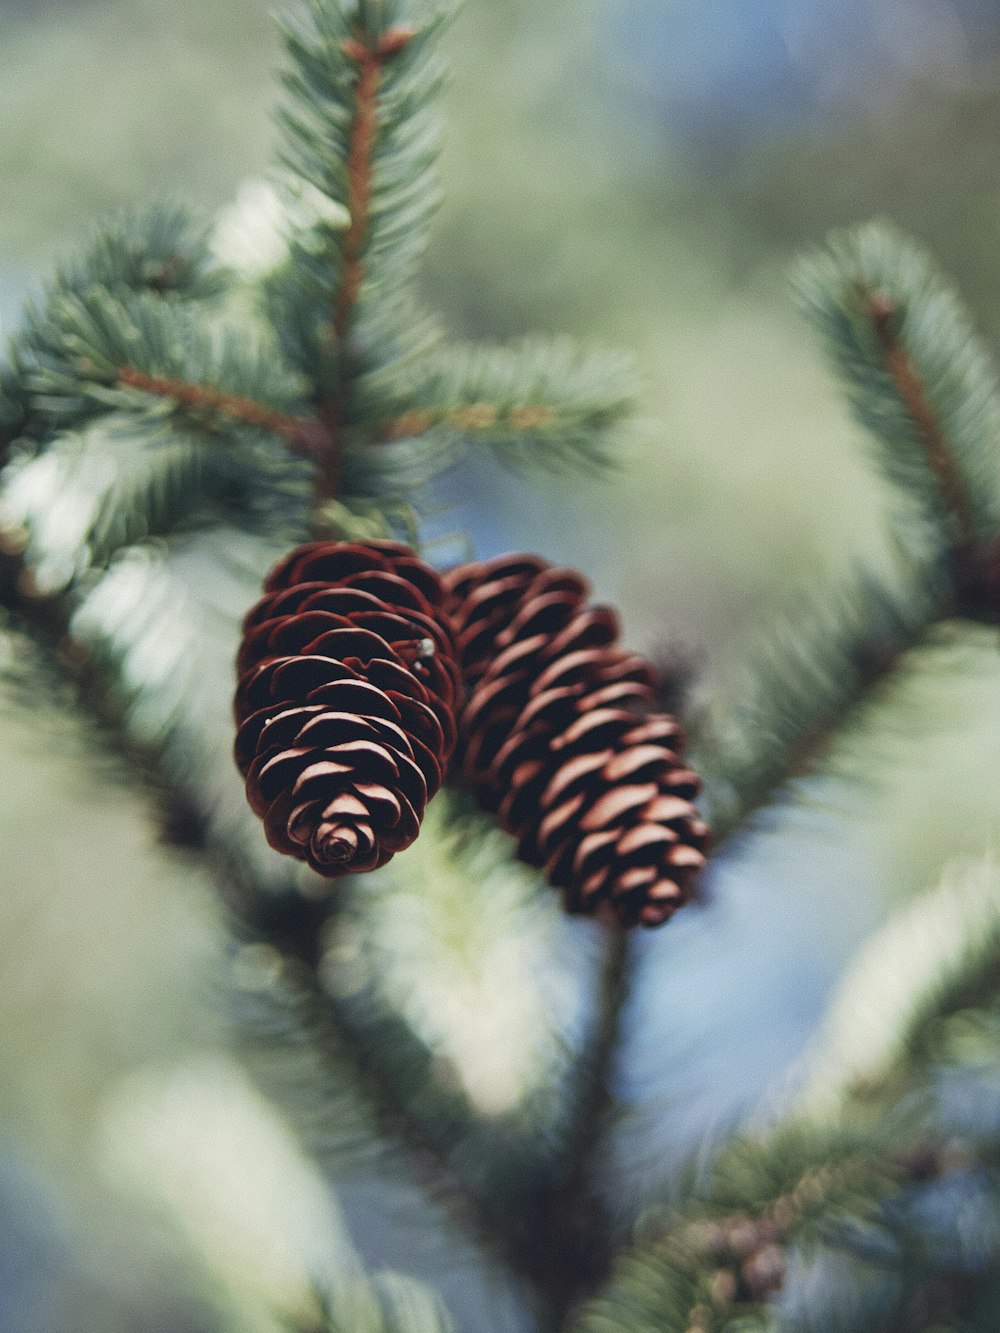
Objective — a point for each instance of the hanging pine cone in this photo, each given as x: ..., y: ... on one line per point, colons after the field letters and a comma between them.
x: 346, y: 702
x: 560, y: 741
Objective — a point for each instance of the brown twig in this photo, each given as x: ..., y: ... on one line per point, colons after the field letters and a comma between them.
x: 370, y: 61
x: 469, y: 417
x: 882, y: 311
x: 302, y: 433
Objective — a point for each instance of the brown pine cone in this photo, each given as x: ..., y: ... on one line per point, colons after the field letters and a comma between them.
x: 346, y: 702
x: 559, y: 739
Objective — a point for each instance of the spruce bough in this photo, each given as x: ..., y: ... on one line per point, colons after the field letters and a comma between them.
x: 165, y: 444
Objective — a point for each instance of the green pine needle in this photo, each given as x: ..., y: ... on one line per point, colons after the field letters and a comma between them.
x: 162, y: 249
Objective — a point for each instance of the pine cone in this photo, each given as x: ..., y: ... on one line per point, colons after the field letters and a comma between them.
x: 560, y: 741
x: 346, y: 702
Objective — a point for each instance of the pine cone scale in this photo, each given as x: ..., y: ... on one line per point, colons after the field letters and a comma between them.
x: 613, y: 805
x: 575, y: 771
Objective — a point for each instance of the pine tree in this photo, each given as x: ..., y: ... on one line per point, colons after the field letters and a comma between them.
x: 169, y: 435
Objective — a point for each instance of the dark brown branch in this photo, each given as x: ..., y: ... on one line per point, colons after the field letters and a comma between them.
x: 882, y: 310
x: 975, y: 565
x: 302, y: 433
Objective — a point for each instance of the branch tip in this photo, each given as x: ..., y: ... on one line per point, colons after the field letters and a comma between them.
x: 370, y: 61
x: 883, y: 312
x: 393, y: 40
x: 881, y: 309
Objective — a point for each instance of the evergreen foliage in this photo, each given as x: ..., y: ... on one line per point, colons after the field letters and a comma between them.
x: 816, y: 667
x: 916, y: 375
x: 167, y: 440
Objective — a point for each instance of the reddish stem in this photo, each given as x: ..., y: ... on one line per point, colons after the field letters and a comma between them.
x: 882, y: 311
x: 302, y: 433
x: 370, y: 62
x: 319, y: 438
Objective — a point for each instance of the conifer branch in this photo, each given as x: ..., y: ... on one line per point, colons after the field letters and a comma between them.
x: 818, y: 668
x: 304, y: 1013
x: 540, y: 403
x: 370, y: 61
x: 917, y: 377
x: 726, y: 1254
x: 883, y: 312
x: 302, y: 433
x: 473, y: 419
x: 85, y: 354
x: 359, y: 129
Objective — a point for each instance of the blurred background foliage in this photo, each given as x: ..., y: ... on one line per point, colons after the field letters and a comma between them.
x: 636, y: 172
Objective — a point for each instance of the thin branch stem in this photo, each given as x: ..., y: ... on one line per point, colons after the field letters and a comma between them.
x: 300, y: 432
x: 882, y: 311
x: 470, y: 417
x: 370, y: 61
x: 973, y: 570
